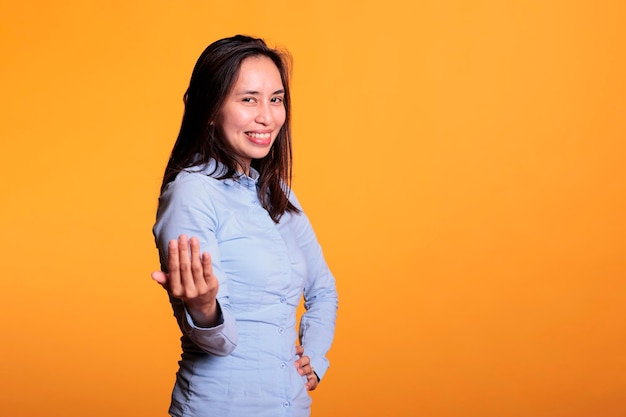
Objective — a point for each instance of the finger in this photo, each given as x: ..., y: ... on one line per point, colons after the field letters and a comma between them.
x: 303, y: 365
x: 303, y: 361
x: 312, y: 381
x: 210, y: 280
x: 188, y: 286
x: 304, y: 370
x: 173, y: 266
x: 299, y: 350
x: 207, y: 269
x: 197, y: 272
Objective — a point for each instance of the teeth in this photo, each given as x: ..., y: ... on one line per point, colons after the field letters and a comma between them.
x: 259, y: 135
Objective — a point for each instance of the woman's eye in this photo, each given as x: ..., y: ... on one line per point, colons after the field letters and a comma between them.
x: 248, y: 99
x: 277, y: 99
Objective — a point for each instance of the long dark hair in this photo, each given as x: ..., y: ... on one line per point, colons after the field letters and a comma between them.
x: 199, y: 141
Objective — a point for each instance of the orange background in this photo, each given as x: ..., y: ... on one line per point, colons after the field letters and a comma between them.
x: 463, y: 163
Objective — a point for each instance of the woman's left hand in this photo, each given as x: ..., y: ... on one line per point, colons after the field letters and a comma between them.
x: 305, y: 368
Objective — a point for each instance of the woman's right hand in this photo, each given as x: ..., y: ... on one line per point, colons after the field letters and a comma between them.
x: 191, y: 279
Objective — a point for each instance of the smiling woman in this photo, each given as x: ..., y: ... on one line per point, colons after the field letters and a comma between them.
x: 235, y: 286
x: 253, y: 112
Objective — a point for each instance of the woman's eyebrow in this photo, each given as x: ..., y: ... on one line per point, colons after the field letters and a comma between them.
x: 254, y: 92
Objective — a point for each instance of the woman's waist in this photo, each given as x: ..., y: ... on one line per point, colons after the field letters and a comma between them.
x: 242, y: 359
x: 266, y: 341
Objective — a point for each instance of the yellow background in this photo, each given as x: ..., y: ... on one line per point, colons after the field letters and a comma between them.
x: 463, y: 163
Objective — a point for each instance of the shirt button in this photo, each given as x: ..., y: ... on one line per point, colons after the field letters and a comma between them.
x: 281, y: 330
x: 283, y: 365
x: 283, y: 300
x: 286, y: 404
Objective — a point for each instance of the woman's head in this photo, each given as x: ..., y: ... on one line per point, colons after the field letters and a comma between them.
x: 253, y: 113
x: 238, y: 93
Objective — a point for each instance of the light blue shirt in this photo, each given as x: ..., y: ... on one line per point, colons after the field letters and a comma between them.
x: 245, y: 365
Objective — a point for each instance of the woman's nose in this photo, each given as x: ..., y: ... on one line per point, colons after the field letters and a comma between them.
x: 264, y: 115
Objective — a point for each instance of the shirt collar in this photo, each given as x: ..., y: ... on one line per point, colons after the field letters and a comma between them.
x: 249, y: 181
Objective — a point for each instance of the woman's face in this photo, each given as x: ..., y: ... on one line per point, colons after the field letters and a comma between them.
x: 254, y: 110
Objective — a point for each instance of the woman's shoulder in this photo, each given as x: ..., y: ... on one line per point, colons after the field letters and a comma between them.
x: 190, y: 183
x: 198, y: 176
x: 194, y: 186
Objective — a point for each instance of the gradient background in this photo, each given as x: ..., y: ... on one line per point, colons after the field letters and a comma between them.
x: 463, y: 163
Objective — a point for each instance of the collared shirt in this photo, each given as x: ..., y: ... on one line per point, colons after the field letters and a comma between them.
x: 244, y: 366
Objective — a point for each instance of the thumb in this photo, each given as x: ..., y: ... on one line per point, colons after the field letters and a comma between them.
x: 159, y: 276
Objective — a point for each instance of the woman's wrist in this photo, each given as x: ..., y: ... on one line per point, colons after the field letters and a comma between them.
x: 206, y: 315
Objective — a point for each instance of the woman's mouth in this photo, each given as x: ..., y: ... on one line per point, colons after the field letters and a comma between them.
x: 260, y: 138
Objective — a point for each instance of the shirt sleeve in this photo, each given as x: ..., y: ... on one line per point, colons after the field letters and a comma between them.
x: 185, y: 208
x: 317, y: 325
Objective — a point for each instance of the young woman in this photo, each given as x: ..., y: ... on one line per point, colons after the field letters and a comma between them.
x: 236, y: 250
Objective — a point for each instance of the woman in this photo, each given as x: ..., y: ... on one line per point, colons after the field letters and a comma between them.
x: 236, y: 283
